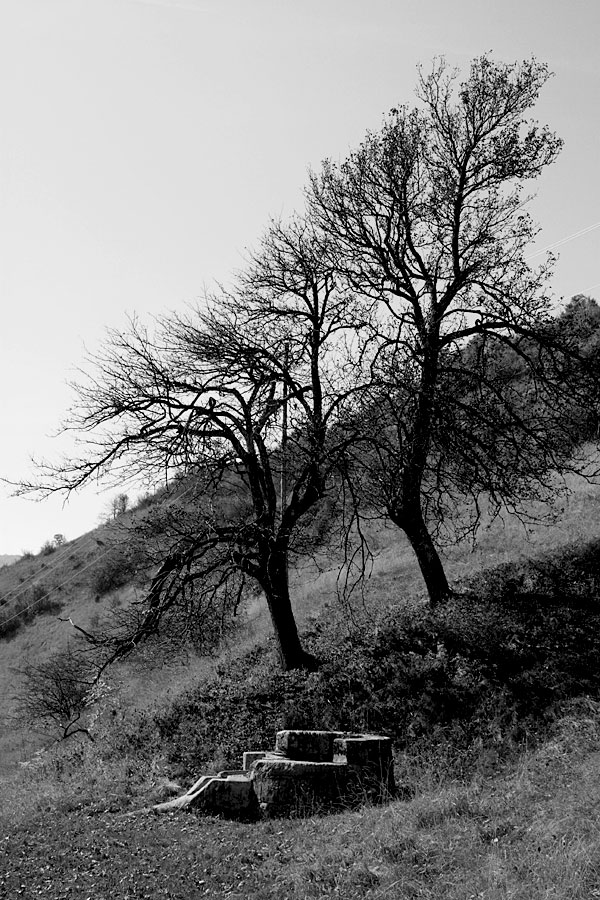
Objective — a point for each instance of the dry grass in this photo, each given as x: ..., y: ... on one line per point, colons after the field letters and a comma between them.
x: 531, y: 833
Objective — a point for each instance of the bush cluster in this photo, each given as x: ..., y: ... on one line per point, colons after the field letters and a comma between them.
x: 570, y: 576
x: 115, y: 568
x: 485, y: 671
x: 37, y: 601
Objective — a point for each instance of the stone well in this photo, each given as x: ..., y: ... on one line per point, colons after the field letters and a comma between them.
x: 369, y: 757
x: 308, y: 772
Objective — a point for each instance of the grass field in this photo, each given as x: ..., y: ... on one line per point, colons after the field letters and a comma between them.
x: 529, y: 832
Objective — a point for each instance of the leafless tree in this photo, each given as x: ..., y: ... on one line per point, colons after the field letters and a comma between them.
x: 119, y: 505
x: 241, y: 400
x: 53, y: 694
x: 426, y: 219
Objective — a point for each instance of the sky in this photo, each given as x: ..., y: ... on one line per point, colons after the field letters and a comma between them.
x: 145, y: 144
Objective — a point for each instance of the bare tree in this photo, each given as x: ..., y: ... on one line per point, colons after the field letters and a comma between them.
x: 119, y: 505
x: 53, y: 695
x: 204, y: 398
x: 427, y: 220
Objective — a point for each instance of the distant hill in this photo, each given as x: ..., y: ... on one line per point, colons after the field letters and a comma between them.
x: 7, y: 559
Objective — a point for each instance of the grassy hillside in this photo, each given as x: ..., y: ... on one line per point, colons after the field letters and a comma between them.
x: 7, y: 559
x: 494, y: 703
x: 38, y: 595
x: 499, y: 792
x: 87, y: 577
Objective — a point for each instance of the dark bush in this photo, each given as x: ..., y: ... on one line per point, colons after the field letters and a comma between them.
x: 10, y: 623
x: 486, y: 669
x: 37, y: 601
x: 41, y: 600
x: 569, y: 577
x: 113, y: 569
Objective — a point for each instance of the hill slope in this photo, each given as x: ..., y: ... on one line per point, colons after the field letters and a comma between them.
x: 49, y: 589
x: 496, y: 801
x: 7, y: 560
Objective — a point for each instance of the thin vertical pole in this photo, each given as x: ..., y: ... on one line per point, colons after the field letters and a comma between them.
x: 284, y: 429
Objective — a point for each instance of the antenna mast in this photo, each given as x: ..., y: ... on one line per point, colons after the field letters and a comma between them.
x: 284, y: 430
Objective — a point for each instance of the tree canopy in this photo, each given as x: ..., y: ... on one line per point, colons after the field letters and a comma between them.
x: 245, y: 397
x: 427, y: 219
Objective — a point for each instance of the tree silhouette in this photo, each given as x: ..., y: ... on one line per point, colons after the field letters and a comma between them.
x: 203, y: 398
x: 426, y: 219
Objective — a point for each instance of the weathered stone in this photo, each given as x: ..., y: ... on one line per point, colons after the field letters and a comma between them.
x: 313, y: 746
x: 184, y: 800
x: 250, y: 756
x: 231, y: 796
x: 172, y: 805
x: 300, y: 777
x: 292, y: 787
x: 369, y: 756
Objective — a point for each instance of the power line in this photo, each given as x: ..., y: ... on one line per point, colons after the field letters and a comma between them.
x: 76, y: 574
x: 565, y: 240
x: 590, y: 288
x: 37, y: 579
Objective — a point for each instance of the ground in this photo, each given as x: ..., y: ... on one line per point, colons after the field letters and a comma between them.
x: 529, y: 832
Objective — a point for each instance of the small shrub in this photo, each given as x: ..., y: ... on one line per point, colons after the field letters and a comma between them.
x: 145, y: 500
x: 10, y: 623
x: 41, y: 601
x: 54, y: 694
x: 38, y: 601
x: 113, y: 570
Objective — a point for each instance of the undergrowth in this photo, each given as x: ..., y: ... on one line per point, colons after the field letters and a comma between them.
x: 35, y: 601
x: 529, y: 834
x: 461, y: 689
x: 509, y: 664
x: 467, y: 685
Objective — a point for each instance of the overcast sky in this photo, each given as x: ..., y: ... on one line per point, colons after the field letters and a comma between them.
x: 145, y: 143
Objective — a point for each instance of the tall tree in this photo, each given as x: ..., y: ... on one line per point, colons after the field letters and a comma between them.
x: 205, y: 397
x: 426, y: 219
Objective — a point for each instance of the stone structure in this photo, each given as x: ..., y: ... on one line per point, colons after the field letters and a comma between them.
x: 308, y: 772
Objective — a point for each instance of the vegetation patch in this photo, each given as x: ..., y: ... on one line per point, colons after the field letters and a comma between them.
x: 509, y: 662
x: 33, y: 602
x: 116, y: 567
x: 470, y: 681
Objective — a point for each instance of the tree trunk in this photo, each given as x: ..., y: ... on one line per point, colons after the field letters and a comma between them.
x: 275, y: 585
x: 428, y: 558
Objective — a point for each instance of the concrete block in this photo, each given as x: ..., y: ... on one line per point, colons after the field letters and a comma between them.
x: 251, y: 756
x: 313, y: 746
x: 232, y: 797
x: 370, y: 757
x: 292, y: 787
x: 300, y: 777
